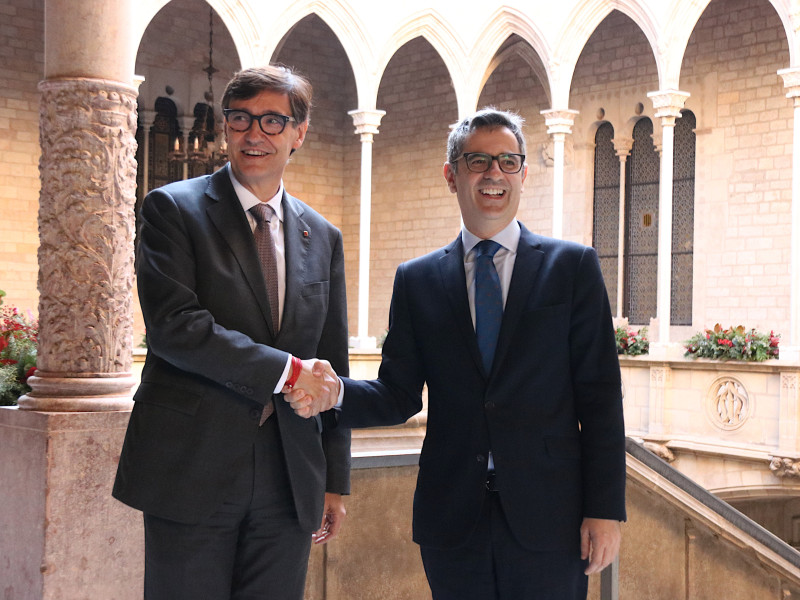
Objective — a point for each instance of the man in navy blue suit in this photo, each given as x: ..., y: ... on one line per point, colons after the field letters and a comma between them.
x: 521, y: 485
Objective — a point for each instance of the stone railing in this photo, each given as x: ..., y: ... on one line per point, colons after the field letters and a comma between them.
x: 730, y: 426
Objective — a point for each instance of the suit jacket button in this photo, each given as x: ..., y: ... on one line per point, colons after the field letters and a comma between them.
x: 255, y: 413
x: 490, y: 405
x: 229, y: 385
x: 481, y: 458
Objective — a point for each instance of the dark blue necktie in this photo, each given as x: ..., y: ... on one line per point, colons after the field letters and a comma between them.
x: 488, y: 300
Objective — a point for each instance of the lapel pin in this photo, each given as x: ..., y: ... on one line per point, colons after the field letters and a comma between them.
x: 305, y: 233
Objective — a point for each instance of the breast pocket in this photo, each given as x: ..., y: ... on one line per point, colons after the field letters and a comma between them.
x: 312, y: 305
x: 316, y: 288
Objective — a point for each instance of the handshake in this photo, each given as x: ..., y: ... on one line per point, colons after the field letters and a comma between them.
x: 315, y: 388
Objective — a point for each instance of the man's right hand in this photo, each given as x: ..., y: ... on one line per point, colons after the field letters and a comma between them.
x: 316, y: 389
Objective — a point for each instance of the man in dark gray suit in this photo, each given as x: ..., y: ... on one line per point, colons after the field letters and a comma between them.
x: 233, y: 485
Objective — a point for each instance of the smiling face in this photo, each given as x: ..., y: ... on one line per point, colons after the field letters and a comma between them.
x: 489, y: 200
x: 257, y: 159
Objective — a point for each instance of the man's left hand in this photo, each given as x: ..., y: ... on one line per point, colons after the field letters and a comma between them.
x: 600, y: 540
x: 332, y: 519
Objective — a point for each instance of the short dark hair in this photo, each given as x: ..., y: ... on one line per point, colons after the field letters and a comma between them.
x: 489, y: 118
x: 248, y: 83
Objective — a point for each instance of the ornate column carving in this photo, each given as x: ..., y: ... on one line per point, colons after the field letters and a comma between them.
x: 622, y: 147
x: 559, y: 124
x: 668, y: 105
x: 366, y: 123
x: 791, y: 82
x: 88, y: 173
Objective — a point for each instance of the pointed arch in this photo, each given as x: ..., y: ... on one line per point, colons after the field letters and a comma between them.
x: 488, y: 50
x: 338, y: 15
x: 579, y: 27
x: 431, y: 26
x: 684, y: 17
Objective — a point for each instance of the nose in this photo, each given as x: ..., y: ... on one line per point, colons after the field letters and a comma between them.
x: 254, y: 133
x: 494, y: 167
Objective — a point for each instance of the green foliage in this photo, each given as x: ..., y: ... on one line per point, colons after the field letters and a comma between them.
x: 632, y: 343
x: 734, y: 343
x: 18, y: 344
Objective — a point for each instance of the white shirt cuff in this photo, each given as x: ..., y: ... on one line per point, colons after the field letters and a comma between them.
x: 284, y: 377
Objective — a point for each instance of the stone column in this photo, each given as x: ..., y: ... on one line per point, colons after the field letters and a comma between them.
x: 87, y: 125
x: 61, y: 533
x: 559, y: 124
x: 623, y: 147
x: 146, y: 118
x: 791, y: 81
x: 668, y: 105
x: 187, y: 123
x: 366, y: 123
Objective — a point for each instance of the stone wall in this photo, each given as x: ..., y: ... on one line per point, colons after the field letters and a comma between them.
x: 22, y: 58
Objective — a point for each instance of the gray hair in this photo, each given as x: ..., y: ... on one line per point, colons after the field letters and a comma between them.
x: 489, y: 118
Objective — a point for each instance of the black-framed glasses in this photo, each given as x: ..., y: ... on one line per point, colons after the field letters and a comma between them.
x: 270, y: 123
x: 480, y: 162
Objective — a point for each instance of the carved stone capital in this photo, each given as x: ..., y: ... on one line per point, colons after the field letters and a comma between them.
x: 559, y: 121
x: 86, y: 226
x: 622, y: 146
x: 791, y: 82
x: 367, y: 122
x: 668, y: 105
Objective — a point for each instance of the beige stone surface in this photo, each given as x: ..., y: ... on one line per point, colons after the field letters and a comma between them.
x: 62, y: 536
x: 374, y: 557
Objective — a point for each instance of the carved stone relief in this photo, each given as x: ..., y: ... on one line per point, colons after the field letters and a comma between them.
x: 86, y: 226
x: 784, y: 467
x: 728, y: 404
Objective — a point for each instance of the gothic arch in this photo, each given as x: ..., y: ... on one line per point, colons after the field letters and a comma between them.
x: 488, y: 48
x: 524, y: 50
x: 678, y: 33
x: 580, y: 25
x: 429, y: 25
x: 346, y: 26
x: 241, y: 25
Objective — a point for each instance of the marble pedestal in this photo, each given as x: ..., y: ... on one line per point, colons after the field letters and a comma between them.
x: 62, y: 535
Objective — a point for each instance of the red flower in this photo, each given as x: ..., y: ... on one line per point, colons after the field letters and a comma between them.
x: 7, y: 361
x: 3, y: 343
x: 30, y: 372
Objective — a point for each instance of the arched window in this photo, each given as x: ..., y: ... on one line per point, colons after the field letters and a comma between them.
x: 683, y: 219
x: 162, y: 134
x: 605, y: 231
x: 641, y: 226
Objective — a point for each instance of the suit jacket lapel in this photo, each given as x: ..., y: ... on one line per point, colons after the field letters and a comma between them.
x: 296, y: 240
x: 230, y: 220
x: 526, y: 268
x: 454, y: 281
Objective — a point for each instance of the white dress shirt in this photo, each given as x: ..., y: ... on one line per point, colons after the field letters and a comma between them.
x: 248, y: 200
x: 504, y: 260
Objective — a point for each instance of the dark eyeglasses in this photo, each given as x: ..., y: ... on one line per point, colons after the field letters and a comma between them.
x: 480, y: 162
x: 270, y: 123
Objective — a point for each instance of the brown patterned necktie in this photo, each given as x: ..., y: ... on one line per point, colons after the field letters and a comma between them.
x: 263, y: 213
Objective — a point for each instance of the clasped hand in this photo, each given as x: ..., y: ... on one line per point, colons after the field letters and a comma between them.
x: 316, y: 389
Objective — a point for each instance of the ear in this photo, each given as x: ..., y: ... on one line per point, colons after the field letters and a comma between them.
x: 524, y: 172
x: 301, y: 130
x: 450, y: 177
